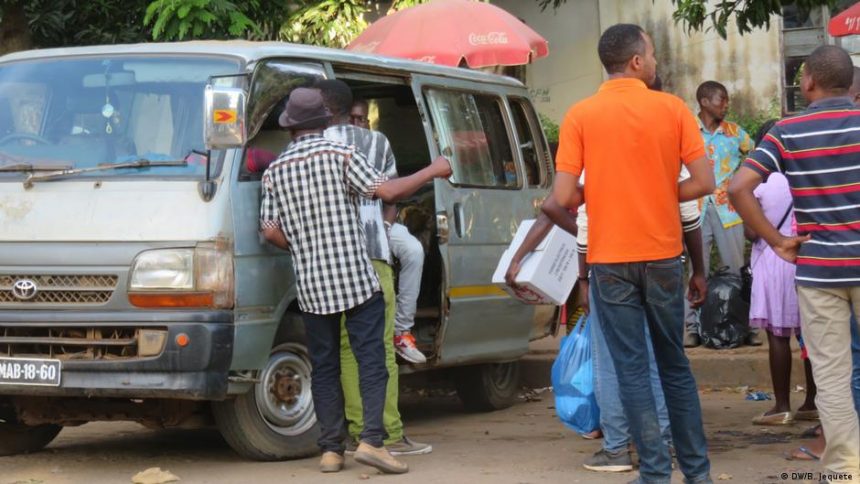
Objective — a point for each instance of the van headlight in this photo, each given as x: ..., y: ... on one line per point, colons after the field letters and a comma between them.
x: 200, y: 277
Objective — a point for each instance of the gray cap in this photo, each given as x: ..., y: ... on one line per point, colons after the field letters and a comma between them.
x: 304, y: 109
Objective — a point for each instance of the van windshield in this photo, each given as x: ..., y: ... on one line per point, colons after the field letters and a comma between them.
x: 85, y: 111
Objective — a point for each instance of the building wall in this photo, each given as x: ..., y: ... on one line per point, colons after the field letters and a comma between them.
x: 748, y: 65
x: 572, y: 71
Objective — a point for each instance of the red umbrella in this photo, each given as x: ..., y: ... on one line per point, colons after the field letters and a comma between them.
x: 846, y: 23
x: 450, y: 31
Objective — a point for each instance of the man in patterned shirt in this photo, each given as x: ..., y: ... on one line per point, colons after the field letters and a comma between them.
x: 726, y: 144
x: 376, y: 219
x: 310, y: 207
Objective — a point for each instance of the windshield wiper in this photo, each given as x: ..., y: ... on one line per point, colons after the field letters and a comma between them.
x: 139, y: 163
x: 32, y: 167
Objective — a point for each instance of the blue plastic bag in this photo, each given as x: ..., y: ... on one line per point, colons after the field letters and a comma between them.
x: 573, y: 381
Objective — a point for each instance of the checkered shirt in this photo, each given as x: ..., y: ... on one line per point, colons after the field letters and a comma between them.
x: 311, y: 193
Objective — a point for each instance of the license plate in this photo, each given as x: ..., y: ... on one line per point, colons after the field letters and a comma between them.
x: 30, y: 371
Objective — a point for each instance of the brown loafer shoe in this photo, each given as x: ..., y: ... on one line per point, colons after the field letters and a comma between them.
x: 331, y: 462
x: 379, y: 458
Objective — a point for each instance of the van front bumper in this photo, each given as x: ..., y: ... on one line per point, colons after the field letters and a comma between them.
x: 106, y: 368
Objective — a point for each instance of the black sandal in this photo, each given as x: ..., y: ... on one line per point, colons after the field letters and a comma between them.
x: 812, y: 432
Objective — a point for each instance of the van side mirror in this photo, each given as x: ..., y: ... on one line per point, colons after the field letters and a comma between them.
x: 224, y: 117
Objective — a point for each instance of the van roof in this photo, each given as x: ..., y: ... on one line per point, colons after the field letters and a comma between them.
x: 254, y: 51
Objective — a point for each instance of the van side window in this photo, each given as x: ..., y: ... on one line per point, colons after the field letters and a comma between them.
x: 272, y: 83
x: 531, y: 142
x: 471, y: 132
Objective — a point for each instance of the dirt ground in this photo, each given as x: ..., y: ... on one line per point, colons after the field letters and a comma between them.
x: 523, y: 444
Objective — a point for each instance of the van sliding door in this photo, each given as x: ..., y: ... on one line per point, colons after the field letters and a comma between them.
x: 478, y: 211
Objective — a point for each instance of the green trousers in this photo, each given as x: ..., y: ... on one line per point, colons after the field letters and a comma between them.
x: 349, y: 368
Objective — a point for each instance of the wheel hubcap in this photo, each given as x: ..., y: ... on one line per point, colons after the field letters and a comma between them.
x: 501, y: 374
x: 283, y: 394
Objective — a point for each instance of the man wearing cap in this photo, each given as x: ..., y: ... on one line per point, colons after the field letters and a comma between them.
x: 310, y: 207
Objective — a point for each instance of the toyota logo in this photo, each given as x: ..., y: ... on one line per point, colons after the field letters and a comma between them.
x: 24, y: 289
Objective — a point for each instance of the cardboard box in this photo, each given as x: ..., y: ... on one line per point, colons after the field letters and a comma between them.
x: 548, y: 274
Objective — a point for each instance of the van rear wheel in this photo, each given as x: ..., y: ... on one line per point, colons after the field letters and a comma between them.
x: 17, y: 438
x: 276, y: 419
x: 488, y: 387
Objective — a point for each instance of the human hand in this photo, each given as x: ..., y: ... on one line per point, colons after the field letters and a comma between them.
x: 441, y: 167
x: 511, y: 274
x: 787, y: 247
x: 582, y: 295
x: 697, y: 290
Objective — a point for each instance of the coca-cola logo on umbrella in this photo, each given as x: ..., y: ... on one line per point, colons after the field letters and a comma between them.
x: 490, y: 38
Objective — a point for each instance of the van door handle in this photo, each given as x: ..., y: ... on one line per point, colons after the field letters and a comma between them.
x: 442, y: 230
x: 458, y: 219
x: 537, y: 204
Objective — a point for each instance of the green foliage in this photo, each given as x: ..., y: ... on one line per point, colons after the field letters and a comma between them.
x: 55, y: 23
x: 332, y: 23
x: 58, y: 23
x: 199, y: 19
x: 550, y: 128
x: 751, y: 122
x: 748, y: 14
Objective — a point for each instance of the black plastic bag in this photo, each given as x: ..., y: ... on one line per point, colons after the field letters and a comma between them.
x: 725, y: 315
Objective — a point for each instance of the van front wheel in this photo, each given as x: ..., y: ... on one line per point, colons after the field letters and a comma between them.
x: 16, y: 438
x: 276, y: 419
x: 488, y: 387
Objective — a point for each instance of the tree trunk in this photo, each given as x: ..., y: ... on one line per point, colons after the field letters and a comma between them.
x: 14, y: 28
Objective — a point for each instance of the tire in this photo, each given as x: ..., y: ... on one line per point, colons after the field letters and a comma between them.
x: 18, y: 438
x: 262, y: 425
x: 488, y: 387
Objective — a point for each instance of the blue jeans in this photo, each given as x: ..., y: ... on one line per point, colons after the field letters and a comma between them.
x: 613, y: 423
x: 365, y: 325
x: 628, y: 297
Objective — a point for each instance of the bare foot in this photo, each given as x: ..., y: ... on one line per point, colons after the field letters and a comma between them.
x: 812, y: 451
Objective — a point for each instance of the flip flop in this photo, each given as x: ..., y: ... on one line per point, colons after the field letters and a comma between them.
x: 782, y: 418
x: 812, y: 432
x: 805, y: 454
x: 806, y: 415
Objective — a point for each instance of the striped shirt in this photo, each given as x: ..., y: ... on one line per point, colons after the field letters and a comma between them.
x: 376, y: 148
x: 819, y: 153
x: 311, y: 193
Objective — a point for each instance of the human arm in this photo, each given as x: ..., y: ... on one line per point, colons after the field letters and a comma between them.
x: 276, y: 237
x: 537, y: 233
x: 399, y: 188
x: 741, y: 195
x: 534, y: 237
x: 582, y: 282
x: 700, y: 183
x: 750, y: 234
x: 698, y: 286
x: 270, y: 222
x: 567, y: 194
x: 691, y: 223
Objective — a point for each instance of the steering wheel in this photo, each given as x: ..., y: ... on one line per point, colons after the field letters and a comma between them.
x: 21, y: 136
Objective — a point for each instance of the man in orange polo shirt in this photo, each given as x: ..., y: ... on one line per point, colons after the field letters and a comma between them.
x: 632, y: 141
